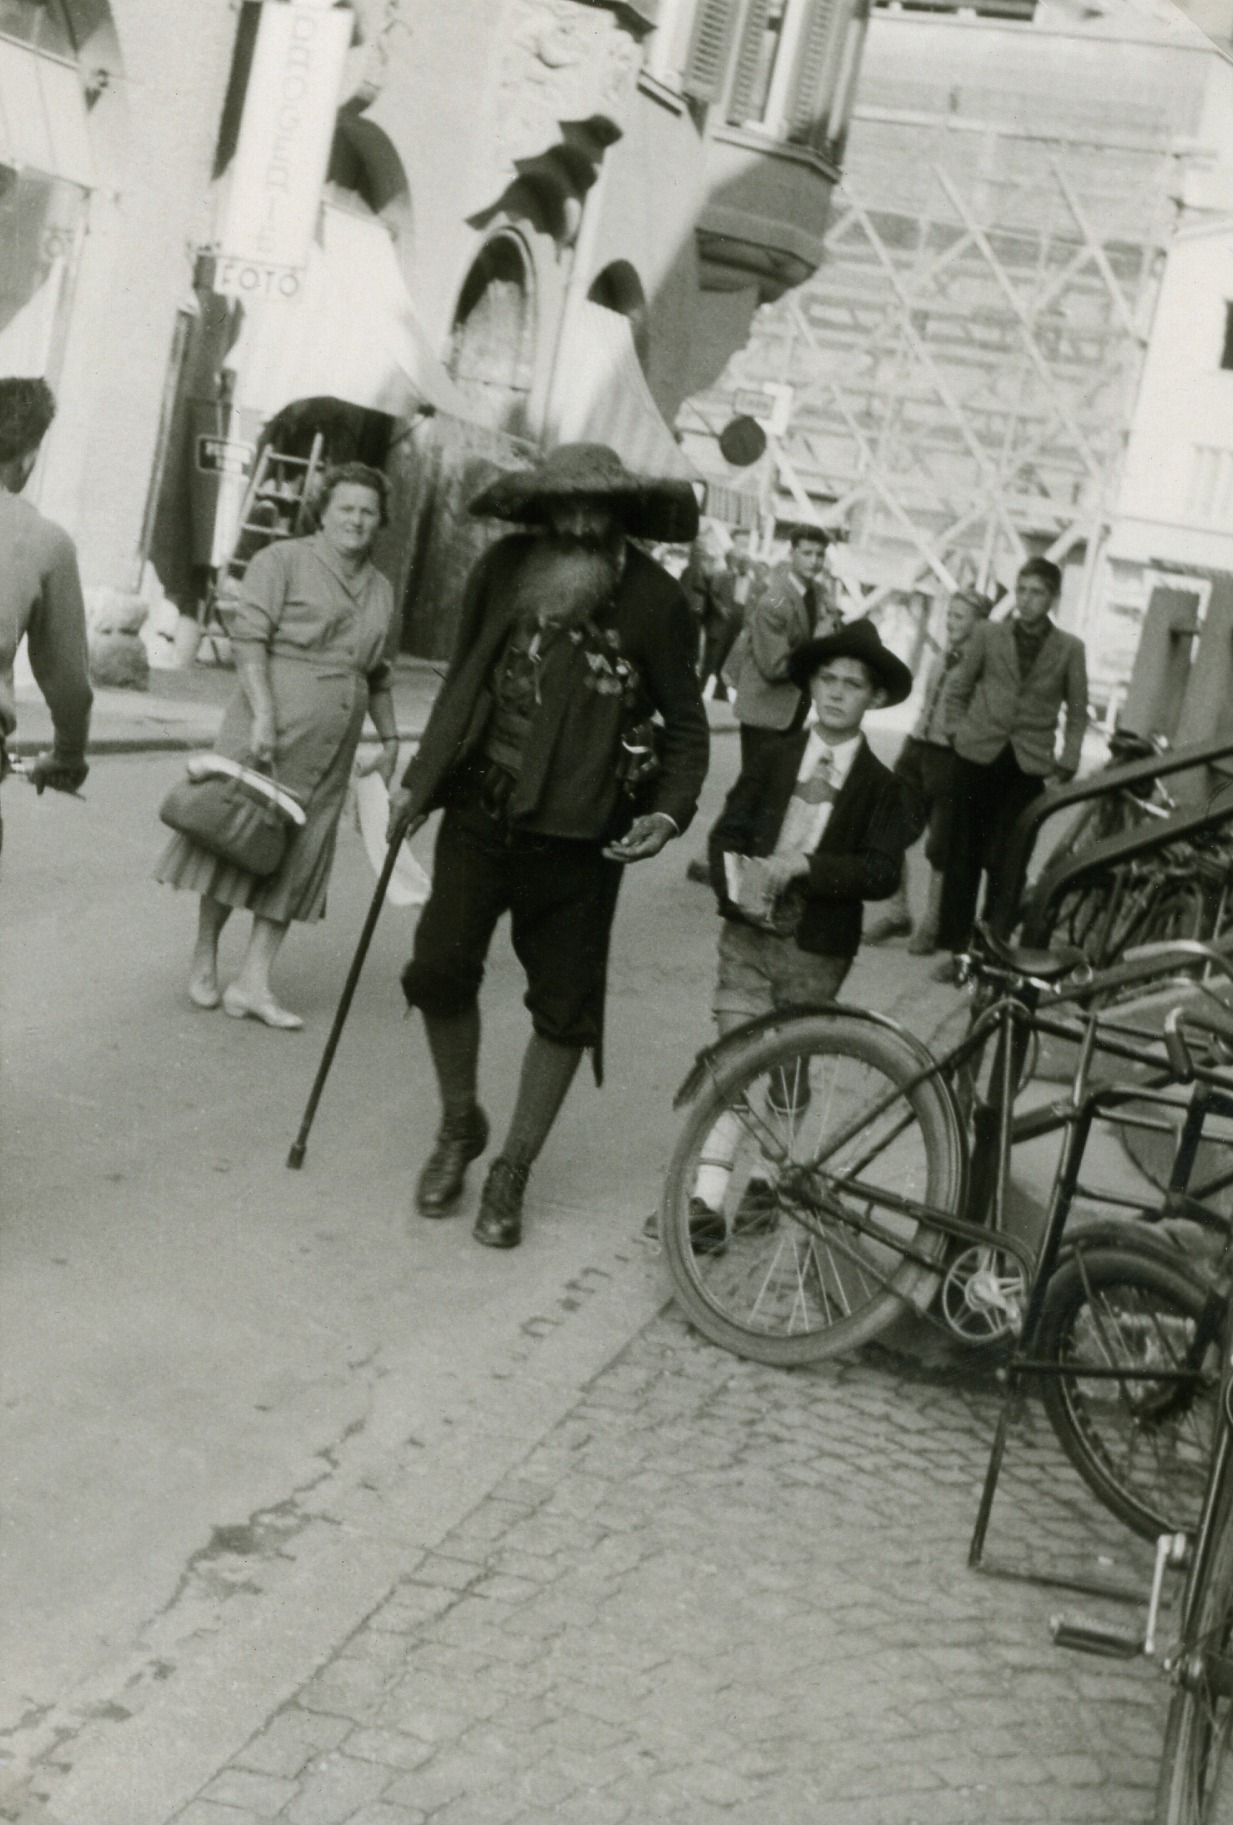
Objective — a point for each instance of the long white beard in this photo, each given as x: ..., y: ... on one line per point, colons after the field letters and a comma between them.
x: 565, y: 579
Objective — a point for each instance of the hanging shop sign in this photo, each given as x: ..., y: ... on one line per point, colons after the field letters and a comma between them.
x: 283, y: 148
x: 224, y: 456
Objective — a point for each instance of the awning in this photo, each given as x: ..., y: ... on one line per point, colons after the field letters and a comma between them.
x: 601, y: 397
x: 43, y: 124
x: 350, y: 334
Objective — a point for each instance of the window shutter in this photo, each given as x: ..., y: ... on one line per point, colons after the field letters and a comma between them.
x: 815, y: 70
x: 748, y: 59
x: 707, y: 63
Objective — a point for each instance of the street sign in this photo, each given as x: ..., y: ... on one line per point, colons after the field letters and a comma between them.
x: 770, y: 404
x: 283, y: 148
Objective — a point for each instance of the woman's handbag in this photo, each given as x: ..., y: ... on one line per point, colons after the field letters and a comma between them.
x: 234, y: 813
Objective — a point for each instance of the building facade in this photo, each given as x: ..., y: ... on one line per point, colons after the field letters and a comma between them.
x: 986, y: 364
x: 531, y: 213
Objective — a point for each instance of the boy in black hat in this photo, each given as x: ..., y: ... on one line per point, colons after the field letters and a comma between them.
x: 814, y: 826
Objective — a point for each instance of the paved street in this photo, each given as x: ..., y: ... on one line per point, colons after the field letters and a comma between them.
x: 319, y: 1511
x: 720, y: 1592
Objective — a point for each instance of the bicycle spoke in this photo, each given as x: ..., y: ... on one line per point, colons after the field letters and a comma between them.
x: 802, y: 1268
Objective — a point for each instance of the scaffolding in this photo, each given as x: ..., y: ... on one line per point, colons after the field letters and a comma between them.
x: 963, y: 367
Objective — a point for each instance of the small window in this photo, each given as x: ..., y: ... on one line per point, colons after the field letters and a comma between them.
x: 1226, y: 359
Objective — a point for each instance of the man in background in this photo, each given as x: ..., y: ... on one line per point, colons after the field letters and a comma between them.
x: 40, y: 595
x: 796, y: 606
x: 925, y: 770
x: 1002, y: 709
x: 728, y: 597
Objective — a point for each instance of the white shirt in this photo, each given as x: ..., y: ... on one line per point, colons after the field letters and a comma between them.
x: 804, y: 824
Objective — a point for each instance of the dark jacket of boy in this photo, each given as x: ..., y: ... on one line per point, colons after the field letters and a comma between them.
x: 859, y: 857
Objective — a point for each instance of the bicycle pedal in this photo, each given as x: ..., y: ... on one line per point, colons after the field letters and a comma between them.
x: 1087, y: 1637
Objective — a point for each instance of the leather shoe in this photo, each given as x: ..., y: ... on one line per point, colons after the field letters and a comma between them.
x: 499, y: 1224
x: 757, y: 1214
x: 459, y: 1140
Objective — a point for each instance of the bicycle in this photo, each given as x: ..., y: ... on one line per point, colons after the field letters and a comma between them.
x: 857, y: 1184
x: 1195, y: 1786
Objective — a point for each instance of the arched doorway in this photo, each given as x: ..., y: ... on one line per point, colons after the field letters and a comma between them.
x: 494, y: 336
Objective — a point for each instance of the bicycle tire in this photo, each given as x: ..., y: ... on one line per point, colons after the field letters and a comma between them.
x: 1142, y: 1448
x: 812, y: 1282
x: 1196, y: 1786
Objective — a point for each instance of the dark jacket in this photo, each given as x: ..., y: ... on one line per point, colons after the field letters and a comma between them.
x: 570, y: 784
x: 988, y: 702
x: 859, y: 858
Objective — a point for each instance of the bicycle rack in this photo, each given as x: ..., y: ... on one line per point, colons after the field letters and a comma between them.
x: 1159, y: 834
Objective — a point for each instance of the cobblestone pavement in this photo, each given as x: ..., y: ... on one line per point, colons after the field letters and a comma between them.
x: 722, y: 1592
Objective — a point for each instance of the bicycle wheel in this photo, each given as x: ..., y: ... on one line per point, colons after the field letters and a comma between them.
x: 1196, y: 1787
x: 1143, y: 1447
x: 816, y: 1159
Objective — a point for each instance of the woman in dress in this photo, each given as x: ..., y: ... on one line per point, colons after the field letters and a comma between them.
x: 309, y: 636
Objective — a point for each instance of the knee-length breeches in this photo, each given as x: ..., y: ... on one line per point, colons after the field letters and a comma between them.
x: 560, y: 896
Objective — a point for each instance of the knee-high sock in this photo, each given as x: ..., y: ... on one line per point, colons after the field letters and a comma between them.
x: 454, y: 1041
x: 547, y: 1073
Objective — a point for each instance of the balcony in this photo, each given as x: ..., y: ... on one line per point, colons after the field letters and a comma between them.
x: 770, y: 85
x: 766, y: 214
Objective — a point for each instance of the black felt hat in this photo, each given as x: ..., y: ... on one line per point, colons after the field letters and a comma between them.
x: 648, y: 508
x: 854, y: 640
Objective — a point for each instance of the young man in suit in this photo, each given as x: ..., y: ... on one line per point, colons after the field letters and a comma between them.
x: 794, y: 606
x: 538, y: 750
x: 1002, y: 707
x: 814, y: 826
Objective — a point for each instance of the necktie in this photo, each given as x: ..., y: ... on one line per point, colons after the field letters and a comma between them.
x: 811, y: 603
x: 819, y: 788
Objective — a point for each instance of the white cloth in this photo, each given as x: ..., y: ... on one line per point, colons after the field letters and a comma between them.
x: 409, y: 883
x: 804, y: 825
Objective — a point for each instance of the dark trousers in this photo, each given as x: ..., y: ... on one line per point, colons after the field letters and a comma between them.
x: 987, y: 802
x: 719, y: 638
x: 926, y: 772
x: 560, y: 896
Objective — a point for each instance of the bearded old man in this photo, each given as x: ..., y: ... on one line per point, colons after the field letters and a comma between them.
x: 542, y: 751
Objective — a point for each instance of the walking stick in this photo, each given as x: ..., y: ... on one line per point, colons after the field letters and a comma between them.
x: 295, y: 1159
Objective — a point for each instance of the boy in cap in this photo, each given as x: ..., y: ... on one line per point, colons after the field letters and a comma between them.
x: 814, y: 826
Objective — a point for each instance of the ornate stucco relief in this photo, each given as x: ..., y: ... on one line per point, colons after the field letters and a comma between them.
x: 555, y: 61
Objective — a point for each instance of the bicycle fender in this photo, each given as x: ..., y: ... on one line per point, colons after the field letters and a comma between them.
x: 722, y: 1049
x: 1126, y: 1233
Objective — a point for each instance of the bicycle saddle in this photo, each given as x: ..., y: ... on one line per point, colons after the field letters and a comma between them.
x: 1046, y: 966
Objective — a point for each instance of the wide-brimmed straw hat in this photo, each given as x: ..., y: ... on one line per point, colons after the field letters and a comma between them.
x: 854, y: 640
x: 647, y: 507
